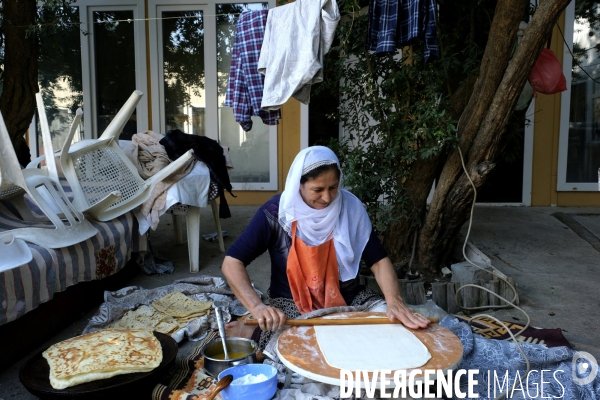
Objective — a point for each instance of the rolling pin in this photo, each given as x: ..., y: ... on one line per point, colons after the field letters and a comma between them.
x: 335, y: 321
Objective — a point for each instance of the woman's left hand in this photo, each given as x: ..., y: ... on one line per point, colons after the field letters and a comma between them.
x: 398, y: 311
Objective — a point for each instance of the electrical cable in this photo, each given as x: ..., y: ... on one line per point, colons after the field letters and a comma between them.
x: 508, y: 303
x: 129, y: 20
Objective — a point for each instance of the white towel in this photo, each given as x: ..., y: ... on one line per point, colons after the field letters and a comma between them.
x: 297, y: 36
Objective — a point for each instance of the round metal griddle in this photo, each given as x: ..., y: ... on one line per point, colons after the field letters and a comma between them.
x: 35, y: 376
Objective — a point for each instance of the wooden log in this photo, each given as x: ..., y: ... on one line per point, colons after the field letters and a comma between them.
x: 414, y: 291
x: 451, y: 299
x: 506, y: 291
x: 439, y: 296
x: 494, y: 286
x: 483, y: 295
x: 511, y: 280
x: 470, y: 298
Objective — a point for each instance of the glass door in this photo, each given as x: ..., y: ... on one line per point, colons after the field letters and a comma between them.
x: 254, y: 152
x: 182, y: 92
x: 190, y: 56
x: 113, y: 64
x: 579, y: 147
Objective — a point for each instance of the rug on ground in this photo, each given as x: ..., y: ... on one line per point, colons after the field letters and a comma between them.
x: 491, y: 329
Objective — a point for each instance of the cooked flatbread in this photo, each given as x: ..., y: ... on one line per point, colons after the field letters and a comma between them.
x: 179, y: 305
x: 102, y: 354
x: 145, y: 317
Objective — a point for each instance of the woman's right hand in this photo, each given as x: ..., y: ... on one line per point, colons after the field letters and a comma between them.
x: 269, y: 318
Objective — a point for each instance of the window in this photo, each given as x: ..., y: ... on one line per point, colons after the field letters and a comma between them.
x: 113, y: 54
x: 95, y: 59
x: 113, y: 42
x: 59, y: 75
x: 579, y: 148
x: 190, y: 55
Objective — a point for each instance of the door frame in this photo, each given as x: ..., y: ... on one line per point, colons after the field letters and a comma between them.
x: 88, y: 58
x: 210, y: 68
x: 565, y: 113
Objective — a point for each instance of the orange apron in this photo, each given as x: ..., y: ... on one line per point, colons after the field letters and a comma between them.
x: 312, y: 272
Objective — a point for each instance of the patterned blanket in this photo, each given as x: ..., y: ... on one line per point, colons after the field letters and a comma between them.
x: 563, y: 377
x: 24, y: 288
x: 201, y: 287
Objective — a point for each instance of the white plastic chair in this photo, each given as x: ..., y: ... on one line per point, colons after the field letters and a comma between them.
x: 104, y: 181
x: 14, y: 183
x: 15, y: 252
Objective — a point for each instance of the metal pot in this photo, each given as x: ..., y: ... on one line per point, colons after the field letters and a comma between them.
x: 214, y: 366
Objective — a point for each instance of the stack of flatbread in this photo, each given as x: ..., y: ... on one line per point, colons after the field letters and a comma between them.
x: 102, y: 354
x: 145, y: 317
x: 181, y: 307
x: 167, y: 314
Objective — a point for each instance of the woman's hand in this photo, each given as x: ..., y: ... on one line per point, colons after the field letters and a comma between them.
x: 398, y: 311
x: 269, y: 318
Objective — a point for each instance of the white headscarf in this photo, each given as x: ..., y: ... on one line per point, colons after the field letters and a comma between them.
x: 317, y: 226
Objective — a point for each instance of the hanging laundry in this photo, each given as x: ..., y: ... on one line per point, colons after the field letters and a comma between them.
x: 297, y: 36
x: 397, y: 23
x: 245, y: 86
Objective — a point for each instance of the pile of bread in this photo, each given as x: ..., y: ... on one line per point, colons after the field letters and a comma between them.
x: 166, y: 315
x: 128, y: 346
x: 102, y: 354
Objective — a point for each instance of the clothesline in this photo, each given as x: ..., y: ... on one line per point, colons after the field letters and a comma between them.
x: 127, y: 20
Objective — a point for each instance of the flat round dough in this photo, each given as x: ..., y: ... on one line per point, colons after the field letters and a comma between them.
x: 371, y: 347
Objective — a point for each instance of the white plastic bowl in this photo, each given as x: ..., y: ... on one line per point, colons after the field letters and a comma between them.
x: 253, y: 391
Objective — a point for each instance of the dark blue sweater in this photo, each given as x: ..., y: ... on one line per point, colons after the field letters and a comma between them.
x: 265, y: 233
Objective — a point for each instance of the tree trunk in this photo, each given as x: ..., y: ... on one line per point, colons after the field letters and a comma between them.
x: 483, y: 122
x: 17, y: 102
x: 399, y: 244
x: 399, y: 238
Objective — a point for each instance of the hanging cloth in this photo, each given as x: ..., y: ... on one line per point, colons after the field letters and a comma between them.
x: 245, y: 85
x: 397, y: 23
x: 312, y: 272
x: 297, y: 36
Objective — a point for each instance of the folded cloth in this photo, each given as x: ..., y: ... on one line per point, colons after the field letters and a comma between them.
x: 210, y: 152
x: 202, y: 288
x: 149, y: 157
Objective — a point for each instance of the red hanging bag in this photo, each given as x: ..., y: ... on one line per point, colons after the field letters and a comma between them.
x: 547, y: 76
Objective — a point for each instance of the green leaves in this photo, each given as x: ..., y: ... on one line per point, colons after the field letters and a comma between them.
x: 393, y: 113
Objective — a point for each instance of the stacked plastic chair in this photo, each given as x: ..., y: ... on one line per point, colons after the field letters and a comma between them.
x: 104, y: 181
x: 15, y: 183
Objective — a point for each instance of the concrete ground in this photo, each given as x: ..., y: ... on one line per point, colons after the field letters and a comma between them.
x: 554, y: 255
x: 555, y: 263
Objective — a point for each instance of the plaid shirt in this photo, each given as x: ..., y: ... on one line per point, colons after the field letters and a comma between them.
x: 398, y: 23
x: 245, y: 86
